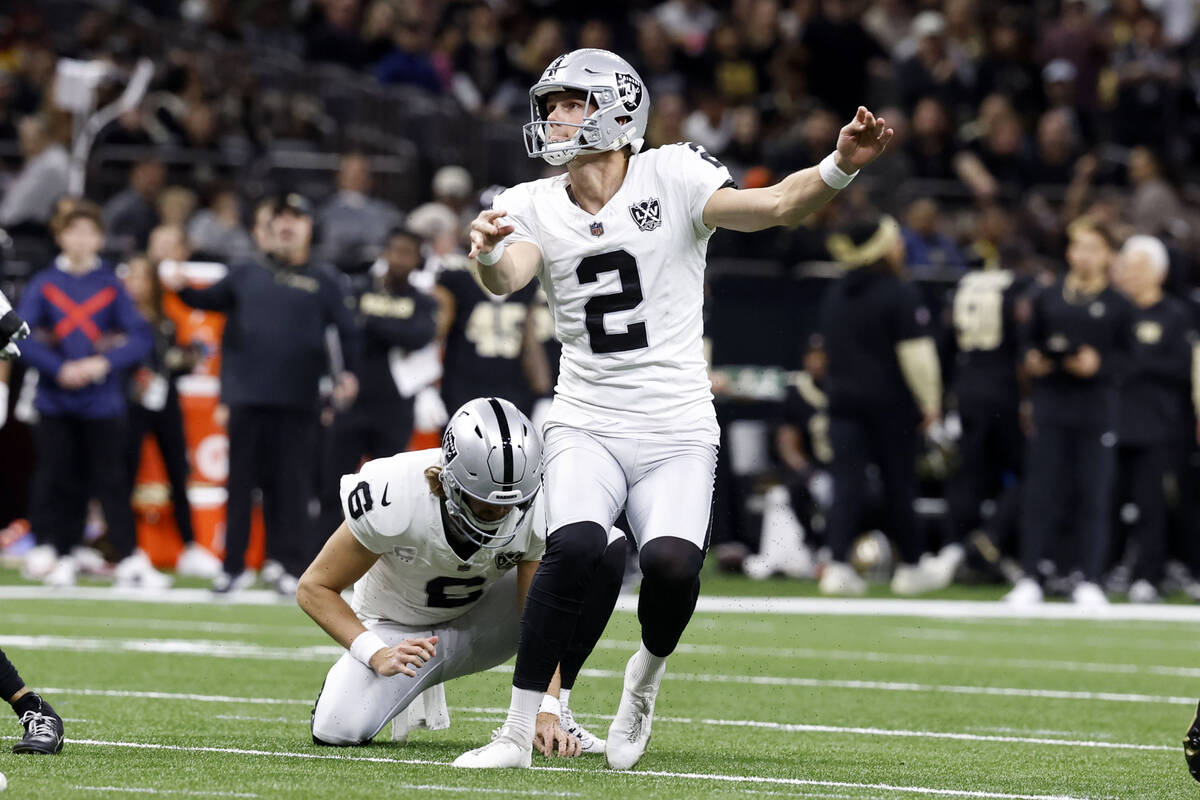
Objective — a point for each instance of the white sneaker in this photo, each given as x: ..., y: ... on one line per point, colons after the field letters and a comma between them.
x: 65, y: 571
x: 1143, y: 591
x: 226, y: 583
x: 925, y: 576
x: 629, y: 733
x: 286, y: 585
x: 947, y: 562
x: 91, y: 561
x: 841, y: 579
x: 1089, y: 595
x: 39, y: 562
x: 137, y: 571
x: 271, y: 572
x: 505, y: 750
x: 588, y: 741
x: 1026, y: 592
x: 198, y: 562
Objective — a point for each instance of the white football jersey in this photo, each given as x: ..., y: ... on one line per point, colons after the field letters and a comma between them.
x: 626, y: 289
x: 419, y: 580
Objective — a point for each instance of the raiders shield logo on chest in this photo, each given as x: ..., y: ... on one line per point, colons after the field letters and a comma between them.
x: 506, y: 561
x: 646, y: 214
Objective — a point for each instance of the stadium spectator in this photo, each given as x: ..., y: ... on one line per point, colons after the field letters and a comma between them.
x: 1154, y: 206
x: 1149, y: 85
x: 847, y: 53
x: 352, y: 224
x: 335, y: 37
x: 1077, y: 347
x: 687, y: 22
x: 175, y: 206
x: 87, y: 336
x: 410, y: 63
x: 927, y: 249
x: 216, y: 231
x: 931, y: 146
x: 1152, y: 403
x: 885, y: 391
x: 1074, y: 37
x: 935, y: 69
x: 154, y: 408
x: 481, y: 70
x: 1005, y: 66
x: 452, y: 187
x: 130, y: 215
x: 273, y: 354
x: 31, y: 196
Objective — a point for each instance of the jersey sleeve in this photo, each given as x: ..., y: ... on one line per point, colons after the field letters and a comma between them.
x: 519, y: 205
x: 363, y: 496
x: 695, y: 174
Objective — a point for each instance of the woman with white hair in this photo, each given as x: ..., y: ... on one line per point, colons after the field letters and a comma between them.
x: 1152, y: 413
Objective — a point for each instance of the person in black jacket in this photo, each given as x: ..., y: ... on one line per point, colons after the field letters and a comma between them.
x: 1153, y: 413
x: 272, y: 358
x: 395, y: 319
x: 1077, y: 346
x: 884, y: 389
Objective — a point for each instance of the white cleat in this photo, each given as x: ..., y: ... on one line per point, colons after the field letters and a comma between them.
x: 629, y: 733
x: 63, y: 575
x: 841, y: 579
x: 588, y: 741
x: 1089, y: 595
x: 1143, y: 591
x: 137, y: 571
x: 39, y: 562
x: 504, y: 751
x: 198, y: 562
x: 1026, y: 592
x: 926, y: 576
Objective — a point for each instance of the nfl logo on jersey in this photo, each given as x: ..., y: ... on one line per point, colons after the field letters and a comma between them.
x: 646, y: 214
x: 597, y: 229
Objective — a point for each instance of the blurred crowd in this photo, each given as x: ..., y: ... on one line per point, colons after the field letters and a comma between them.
x: 393, y: 120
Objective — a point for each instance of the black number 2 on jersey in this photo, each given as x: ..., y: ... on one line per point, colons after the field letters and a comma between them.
x: 630, y: 297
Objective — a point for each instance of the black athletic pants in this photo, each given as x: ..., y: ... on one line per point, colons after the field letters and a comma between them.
x: 167, y: 427
x: 270, y: 449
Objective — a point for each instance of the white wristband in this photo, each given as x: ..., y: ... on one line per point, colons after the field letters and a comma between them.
x: 832, y: 174
x: 550, y: 705
x: 365, y: 645
x: 488, y: 259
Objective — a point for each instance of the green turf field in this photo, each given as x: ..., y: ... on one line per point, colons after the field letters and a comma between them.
x: 212, y: 700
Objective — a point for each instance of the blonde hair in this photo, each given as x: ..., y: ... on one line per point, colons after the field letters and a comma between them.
x: 433, y: 477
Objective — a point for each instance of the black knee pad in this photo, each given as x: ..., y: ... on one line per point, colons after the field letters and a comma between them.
x: 577, y: 547
x: 669, y: 559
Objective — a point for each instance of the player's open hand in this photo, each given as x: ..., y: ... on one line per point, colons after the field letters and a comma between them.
x: 404, y: 658
x: 488, y: 230
x: 862, y: 141
x: 551, y: 740
x: 1083, y: 363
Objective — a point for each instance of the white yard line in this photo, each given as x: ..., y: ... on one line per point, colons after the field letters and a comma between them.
x: 195, y: 698
x: 807, y: 606
x: 625, y: 775
x: 330, y: 653
x: 890, y: 686
x: 146, y: 623
x: 143, y: 790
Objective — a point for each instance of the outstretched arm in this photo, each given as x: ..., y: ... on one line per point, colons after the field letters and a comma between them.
x: 791, y: 200
x: 341, y: 562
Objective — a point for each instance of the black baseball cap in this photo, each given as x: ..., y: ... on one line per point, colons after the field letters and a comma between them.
x: 296, y: 203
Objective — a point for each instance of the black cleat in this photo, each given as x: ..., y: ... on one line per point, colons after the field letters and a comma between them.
x: 1191, y: 746
x: 43, y: 731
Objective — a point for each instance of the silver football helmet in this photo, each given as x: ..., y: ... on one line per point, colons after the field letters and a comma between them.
x: 491, y: 452
x: 611, y: 84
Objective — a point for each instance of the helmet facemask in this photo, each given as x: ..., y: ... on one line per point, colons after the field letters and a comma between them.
x: 484, y: 533
x: 599, y: 131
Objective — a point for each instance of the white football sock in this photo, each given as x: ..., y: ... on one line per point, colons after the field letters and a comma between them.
x: 522, y: 714
x: 646, y: 669
x: 563, y: 696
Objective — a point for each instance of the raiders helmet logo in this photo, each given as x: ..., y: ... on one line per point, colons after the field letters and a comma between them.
x: 629, y: 90
x: 448, y: 446
x: 553, y: 68
x: 506, y: 561
x: 646, y: 214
